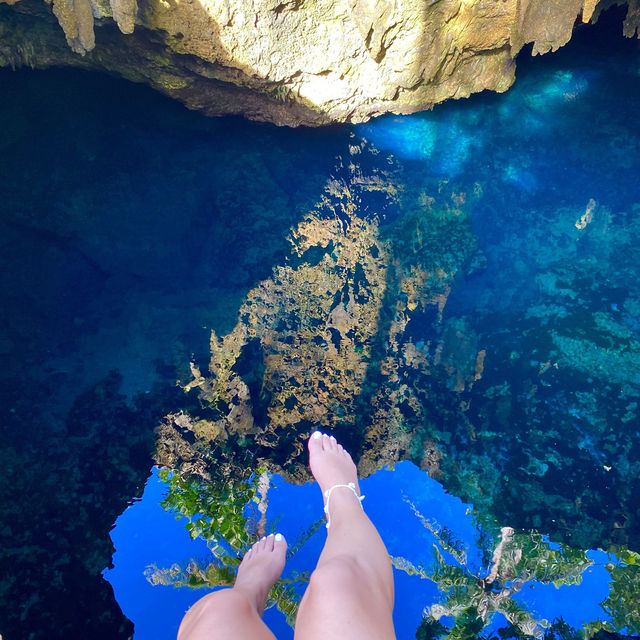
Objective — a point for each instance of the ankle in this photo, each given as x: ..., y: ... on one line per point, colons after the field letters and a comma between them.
x: 255, y: 596
x: 344, y: 495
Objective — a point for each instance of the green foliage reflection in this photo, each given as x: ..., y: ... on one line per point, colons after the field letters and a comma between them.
x: 214, y: 509
x: 229, y: 513
x: 473, y: 599
x: 622, y: 603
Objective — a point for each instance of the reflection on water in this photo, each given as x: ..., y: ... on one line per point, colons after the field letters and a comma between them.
x: 457, y: 289
x: 468, y: 579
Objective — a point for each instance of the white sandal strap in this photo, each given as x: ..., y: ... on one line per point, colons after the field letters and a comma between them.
x: 327, y: 495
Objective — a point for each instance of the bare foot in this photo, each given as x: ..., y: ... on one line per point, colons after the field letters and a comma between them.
x: 260, y: 568
x: 331, y: 465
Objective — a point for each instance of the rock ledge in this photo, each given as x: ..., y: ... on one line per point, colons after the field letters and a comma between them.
x: 295, y: 62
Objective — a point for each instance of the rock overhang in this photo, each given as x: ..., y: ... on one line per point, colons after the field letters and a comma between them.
x: 298, y: 63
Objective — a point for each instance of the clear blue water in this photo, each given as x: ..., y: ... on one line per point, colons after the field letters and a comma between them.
x: 146, y: 534
x: 474, y: 275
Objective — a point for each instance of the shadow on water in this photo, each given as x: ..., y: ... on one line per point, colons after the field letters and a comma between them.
x: 130, y: 228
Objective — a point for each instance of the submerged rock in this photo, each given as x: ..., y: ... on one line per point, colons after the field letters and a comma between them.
x: 355, y: 333
x: 296, y: 62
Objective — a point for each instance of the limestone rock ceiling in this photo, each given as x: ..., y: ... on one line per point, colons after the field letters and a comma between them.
x: 298, y: 61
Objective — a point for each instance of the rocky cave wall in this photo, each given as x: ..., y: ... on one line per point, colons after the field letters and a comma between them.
x: 295, y: 62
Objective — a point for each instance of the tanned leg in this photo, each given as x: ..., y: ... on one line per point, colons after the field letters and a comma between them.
x: 236, y: 613
x: 350, y: 594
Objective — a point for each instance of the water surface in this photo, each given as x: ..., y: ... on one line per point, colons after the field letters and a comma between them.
x: 452, y: 294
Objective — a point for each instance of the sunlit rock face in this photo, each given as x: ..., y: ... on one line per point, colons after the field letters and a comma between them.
x: 297, y: 62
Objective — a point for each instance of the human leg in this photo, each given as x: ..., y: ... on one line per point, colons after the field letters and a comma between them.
x: 236, y: 613
x: 350, y: 594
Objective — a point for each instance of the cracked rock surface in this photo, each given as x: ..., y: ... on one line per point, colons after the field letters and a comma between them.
x: 297, y: 61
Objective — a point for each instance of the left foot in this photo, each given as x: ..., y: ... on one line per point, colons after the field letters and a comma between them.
x: 260, y: 568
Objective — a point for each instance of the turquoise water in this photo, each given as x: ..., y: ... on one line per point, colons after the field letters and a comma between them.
x: 453, y: 294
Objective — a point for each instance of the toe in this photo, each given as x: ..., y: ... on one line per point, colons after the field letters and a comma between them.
x: 269, y: 542
x: 330, y: 443
x: 326, y: 442
x: 315, y: 442
x: 279, y: 542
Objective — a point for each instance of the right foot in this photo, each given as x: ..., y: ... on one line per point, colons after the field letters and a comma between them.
x: 331, y: 464
x: 260, y: 568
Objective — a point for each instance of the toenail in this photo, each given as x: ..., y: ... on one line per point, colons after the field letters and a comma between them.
x: 278, y: 537
x: 271, y: 535
x: 263, y: 538
x: 316, y: 435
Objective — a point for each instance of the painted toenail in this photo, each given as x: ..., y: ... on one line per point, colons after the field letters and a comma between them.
x: 271, y: 535
x: 263, y: 538
x: 278, y: 537
x: 316, y: 435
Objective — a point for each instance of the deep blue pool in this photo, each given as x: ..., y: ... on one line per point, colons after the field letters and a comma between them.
x: 453, y: 294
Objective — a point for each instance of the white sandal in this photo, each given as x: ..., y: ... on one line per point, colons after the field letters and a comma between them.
x: 327, y: 495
